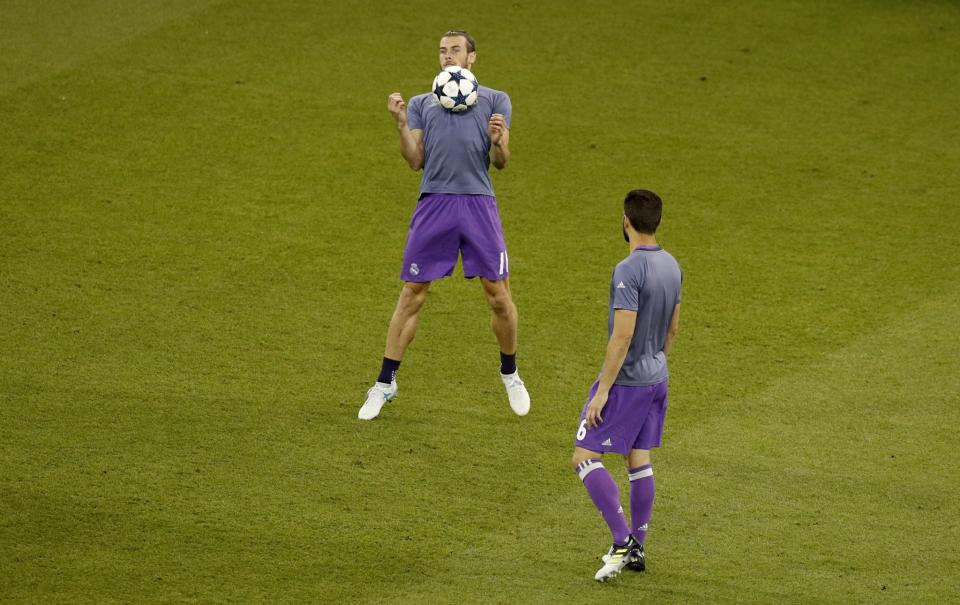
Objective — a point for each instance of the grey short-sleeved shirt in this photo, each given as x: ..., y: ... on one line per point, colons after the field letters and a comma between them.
x: 456, y: 145
x: 648, y: 282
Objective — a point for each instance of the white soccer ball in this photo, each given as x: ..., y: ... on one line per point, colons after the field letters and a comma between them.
x: 456, y: 88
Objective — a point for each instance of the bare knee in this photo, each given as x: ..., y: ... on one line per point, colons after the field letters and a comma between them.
x: 638, y: 458
x: 581, y: 455
x: 499, y: 298
x: 576, y: 460
x: 412, y: 297
x: 502, y: 306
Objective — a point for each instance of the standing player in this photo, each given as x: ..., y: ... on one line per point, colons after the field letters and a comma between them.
x: 456, y: 215
x: 627, y: 404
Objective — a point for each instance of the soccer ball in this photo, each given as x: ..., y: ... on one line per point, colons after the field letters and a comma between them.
x: 456, y: 88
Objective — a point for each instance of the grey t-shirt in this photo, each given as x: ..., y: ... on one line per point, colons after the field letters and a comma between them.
x: 456, y: 145
x: 648, y: 282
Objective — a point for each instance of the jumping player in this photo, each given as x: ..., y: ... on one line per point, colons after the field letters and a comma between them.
x: 456, y: 214
x: 626, y: 406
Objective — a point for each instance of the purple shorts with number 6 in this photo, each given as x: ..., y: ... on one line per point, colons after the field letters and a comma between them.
x: 445, y: 226
x: 632, y: 420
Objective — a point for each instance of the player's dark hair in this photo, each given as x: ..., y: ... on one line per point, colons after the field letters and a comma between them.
x: 471, y: 43
x: 643, y: 209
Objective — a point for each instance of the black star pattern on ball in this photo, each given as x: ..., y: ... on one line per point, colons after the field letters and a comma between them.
x: 460, y: 100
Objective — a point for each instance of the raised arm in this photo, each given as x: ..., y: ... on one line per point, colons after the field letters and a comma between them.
x: 411, y: 141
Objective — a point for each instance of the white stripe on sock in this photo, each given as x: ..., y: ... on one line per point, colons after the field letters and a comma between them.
x: 647, y: 472
x: 585, y: 468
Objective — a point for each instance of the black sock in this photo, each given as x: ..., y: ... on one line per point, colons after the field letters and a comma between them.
x: 508, y: 363
x: 388, y: 371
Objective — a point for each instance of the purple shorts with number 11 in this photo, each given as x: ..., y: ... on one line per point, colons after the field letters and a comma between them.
x: 446, y: 226
x: 632, y: 420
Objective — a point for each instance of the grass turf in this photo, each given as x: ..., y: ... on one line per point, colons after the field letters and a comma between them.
x: 203, y: 208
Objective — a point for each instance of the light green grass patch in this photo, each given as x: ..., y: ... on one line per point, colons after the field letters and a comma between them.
x: 202, y: 211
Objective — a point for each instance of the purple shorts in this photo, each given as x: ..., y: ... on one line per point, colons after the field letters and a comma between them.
x: 445, y: 226
x: 632, y: 420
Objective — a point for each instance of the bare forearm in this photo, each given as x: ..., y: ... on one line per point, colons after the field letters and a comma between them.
x: 499, y: 141
x: 616, y: 353
x: 668, y: 343
x: 410, y: 148
x: 499, y: 156
x: 672, y: 330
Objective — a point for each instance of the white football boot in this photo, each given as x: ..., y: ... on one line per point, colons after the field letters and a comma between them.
x: 614, y: 561
x: 379, y: 394
x: 517, y: 393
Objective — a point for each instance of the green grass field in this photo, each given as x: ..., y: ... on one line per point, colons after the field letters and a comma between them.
x: 202, y: 212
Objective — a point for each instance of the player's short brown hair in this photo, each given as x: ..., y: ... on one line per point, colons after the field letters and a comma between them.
x: 643, y: 209
x: 471, y: 43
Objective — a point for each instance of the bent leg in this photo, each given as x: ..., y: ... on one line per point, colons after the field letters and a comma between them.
x: 403, y: 324
x: 603, y: 490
